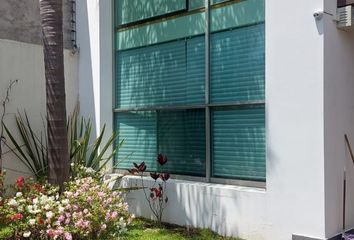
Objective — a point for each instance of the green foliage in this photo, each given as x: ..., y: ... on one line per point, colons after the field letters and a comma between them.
x: 142, y: 229
x: 5, y: 232
x: 82, y: 153
x: 88, y: 209
x: 30, y: 149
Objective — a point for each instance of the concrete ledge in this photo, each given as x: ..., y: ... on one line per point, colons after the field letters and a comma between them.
x: 242, y: 210
x: 298, y: 237
x: 337, y: 237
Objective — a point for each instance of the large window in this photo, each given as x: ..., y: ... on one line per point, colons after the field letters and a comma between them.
x: 190, y: 83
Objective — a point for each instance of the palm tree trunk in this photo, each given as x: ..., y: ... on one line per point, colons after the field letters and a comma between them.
x: 51, y: 12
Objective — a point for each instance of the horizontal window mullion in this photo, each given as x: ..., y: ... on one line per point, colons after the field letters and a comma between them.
x: 185, y: 107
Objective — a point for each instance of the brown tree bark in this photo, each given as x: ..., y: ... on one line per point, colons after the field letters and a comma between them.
x: 51, y: 12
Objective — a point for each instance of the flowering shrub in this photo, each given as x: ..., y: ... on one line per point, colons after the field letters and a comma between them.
x: 88, y: 209
x: 81, y: 171
x: 157, y: 198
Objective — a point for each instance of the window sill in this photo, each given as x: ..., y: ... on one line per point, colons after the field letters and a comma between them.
x: 239, y: 185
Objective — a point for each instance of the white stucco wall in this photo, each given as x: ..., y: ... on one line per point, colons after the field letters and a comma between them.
x: 95, y: 39
x: 294, y: 102
x: 338, y: 120
x: 293, y: 201
x: 24, y: 62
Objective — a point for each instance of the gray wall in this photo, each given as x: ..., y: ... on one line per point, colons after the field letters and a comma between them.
x: 20, y: 21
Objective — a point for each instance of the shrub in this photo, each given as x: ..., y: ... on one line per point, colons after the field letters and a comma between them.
x: 156, y: 197
x: 31, y: 149
x: 88, y: 209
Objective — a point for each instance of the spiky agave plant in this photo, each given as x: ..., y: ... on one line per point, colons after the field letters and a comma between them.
x: 30, y: 148
x: 84, y: 152
x: 84, y: 149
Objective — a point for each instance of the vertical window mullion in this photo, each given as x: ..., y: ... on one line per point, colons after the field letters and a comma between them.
x: 207, y: 91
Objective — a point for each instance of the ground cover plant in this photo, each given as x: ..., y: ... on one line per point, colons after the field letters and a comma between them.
x: 142, y: 229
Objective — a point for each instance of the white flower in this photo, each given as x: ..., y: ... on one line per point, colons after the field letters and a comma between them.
x: 90, y: 170
x: 32, y: 221
x: 49, y: 215
x: 20, y: 208
x: 43, y: 199
x: 61, y: 209
x: 27, y: 234
x: 72, y: 164
x: 19, y: 194
x: 30, y: 208
x: 65, y: 201
x: 47, y: 207
x: 13, y: 203
x: 35, y: 201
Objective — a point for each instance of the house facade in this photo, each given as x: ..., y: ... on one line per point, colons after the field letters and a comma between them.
x: 249, y: 100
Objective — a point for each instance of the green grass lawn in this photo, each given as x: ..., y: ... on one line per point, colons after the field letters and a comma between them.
x: 142, y: 229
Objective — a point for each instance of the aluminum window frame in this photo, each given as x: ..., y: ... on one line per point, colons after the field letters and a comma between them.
x: 207, y: 106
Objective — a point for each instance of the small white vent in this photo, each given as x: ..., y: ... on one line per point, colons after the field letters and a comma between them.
x: 345, y: 17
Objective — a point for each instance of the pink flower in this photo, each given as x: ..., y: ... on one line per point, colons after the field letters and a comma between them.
x: 103, y: 227
x: 69, y: 194
x: 114, y: 215
x: 107, y: 216
x: 50, y: 233
x: 126, y: 206
x: 68, y: 236
x: 86, y: 224
x: 79, y: 223
x: 61, y: 218
x: 59, y: 231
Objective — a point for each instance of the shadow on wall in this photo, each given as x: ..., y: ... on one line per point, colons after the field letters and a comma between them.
x: 192, y: 204
x: 221, y: 208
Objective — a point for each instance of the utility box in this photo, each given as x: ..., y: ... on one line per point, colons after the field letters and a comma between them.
x: 345, y: 17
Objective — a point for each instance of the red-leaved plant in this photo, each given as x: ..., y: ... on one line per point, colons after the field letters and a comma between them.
x: 156, y: 194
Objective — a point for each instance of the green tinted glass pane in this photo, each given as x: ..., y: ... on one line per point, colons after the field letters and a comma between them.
x: 237, y: 15
x: 138, y: 130
x: 193, y: 4
x: 160, y: 32
x: 239, y: 143
x: 180, y: 135
x: 160, y: 75
x: 128, y: 11
x: 182, y: 140
x: 238, y: 65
